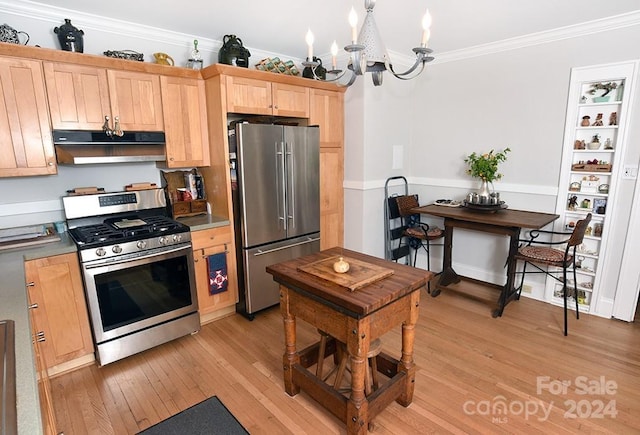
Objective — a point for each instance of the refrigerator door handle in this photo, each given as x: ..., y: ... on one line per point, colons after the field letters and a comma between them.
x: 280, y: 172
x: 309, y: 240
x: 291, y: 172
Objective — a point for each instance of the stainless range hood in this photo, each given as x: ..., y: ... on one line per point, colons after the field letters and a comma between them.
x: 75, y: 147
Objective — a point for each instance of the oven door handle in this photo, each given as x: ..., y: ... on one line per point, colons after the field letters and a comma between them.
x: 127, y: 258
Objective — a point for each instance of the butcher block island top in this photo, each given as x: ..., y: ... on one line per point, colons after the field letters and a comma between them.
x: 386, y: 281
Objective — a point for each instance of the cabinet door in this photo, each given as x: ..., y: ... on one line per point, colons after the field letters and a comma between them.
x: 44, y: 383
x: 185, y: 120
x: 136, y: 100
x: 206, y: 243
x: 290, y: 100
x: 78, y: 96
x: 55, y: 285
x: 327, y: 111
x: 26, y: 146
x: 331, y: 198
x: 248, y: 96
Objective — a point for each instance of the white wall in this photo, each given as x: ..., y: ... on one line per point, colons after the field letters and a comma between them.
x: 515, y: 98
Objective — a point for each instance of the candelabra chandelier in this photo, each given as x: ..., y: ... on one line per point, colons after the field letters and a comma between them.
x: 367, y: 52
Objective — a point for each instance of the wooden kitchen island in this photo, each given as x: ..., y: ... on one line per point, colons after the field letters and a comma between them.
x: 354, y: 308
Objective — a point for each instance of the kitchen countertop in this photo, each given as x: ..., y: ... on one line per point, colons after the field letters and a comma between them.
x: 13, y: 306
x: 203, y: 222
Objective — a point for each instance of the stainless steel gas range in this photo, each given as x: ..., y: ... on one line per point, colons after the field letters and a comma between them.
x: 137, y: 266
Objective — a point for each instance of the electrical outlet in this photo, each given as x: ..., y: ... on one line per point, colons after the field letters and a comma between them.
x: 527, y: 289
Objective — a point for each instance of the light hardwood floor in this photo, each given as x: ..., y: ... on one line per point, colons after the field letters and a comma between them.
x: 468, y: 365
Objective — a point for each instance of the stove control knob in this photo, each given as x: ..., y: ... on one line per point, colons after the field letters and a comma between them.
x: 141, y: 244
x: 176, y: 237
x: 100, y: 252
x: 163, y: 240
x: 117, y: 249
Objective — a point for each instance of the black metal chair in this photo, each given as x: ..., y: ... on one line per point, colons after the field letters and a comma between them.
x: 539, y: 253
x: 405, y: 235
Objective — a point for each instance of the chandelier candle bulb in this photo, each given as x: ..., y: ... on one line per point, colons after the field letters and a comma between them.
x: 334, y: 53
x: 353, y: 22
x: 426, y: 26
x: 309, y: 40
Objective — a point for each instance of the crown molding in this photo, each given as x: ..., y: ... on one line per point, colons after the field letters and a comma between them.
x: 574, y: 31
x: 54, y: 15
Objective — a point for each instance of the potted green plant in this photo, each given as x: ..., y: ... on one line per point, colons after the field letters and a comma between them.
x: 485, y: 167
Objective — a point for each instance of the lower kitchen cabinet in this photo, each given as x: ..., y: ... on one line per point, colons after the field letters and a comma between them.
x: 49, y: 424
x: 206, y: 245
x: 59, y: 312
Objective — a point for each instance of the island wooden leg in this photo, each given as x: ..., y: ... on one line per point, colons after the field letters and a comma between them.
x: 406, y: 361
x: 357, y: 406
x: 290, y: 356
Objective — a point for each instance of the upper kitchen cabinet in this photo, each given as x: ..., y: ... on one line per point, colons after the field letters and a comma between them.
x: 80, y: 97
x: 259, y: 97
x: 26, y: 146
x: 185, y: 120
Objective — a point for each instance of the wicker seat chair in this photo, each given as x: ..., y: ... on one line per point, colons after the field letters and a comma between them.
x: 542, y: 254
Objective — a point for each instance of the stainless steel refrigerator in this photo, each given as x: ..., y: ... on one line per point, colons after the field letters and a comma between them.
x: 276, y: 204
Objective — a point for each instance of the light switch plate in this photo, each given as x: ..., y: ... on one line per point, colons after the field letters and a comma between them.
x: 630, y: 172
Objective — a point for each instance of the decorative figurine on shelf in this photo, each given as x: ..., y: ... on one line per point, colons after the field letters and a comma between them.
x: 320, y: 71
x: 583, y: 99
x: 578, y: 144
x: 598, y: 121
x: 163, y: 59
x: 607, y: 144
x: 195, y: 62
x: 613, y: 118
x: 606, y: 87
x: 70, y: 37
x: 586, y: 121
x: 573, y: 202
x: 233, y: 52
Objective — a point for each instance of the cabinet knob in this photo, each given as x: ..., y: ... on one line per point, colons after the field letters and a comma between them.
x: 40, y: 337
x: 50, y: 163
x: 31, y: 284
x: 33, y: 306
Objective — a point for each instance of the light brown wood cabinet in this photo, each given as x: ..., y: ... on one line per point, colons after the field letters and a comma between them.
x: 44, y: 384
x: 26, y: 145
x: 327, y: 111
x: 81, y: 96
x: 210, y: 242
x: 59, y: 310
x: 260, y: 97
x: 185, y: 120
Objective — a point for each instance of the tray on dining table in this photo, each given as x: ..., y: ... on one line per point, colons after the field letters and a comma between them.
x: 486, y: 208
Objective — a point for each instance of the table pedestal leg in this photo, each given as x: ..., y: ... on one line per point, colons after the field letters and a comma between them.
x: 448, y: 275
x: 290, y: 356
x: 508, y: 290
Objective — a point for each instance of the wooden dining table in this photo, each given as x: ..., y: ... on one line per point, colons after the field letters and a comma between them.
x: 353, y: 308
x: 506, y: 222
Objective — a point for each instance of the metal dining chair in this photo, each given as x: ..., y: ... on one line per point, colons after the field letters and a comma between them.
x: 542, y: 254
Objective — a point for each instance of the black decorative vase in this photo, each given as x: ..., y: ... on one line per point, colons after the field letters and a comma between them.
x: 233, y: 52
x: 320, y: 71
x: 70, y: 37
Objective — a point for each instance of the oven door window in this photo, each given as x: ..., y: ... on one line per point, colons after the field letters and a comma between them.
x: 132, y: 294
